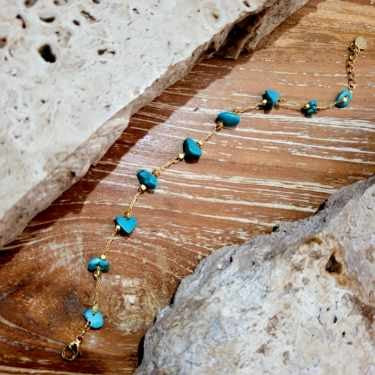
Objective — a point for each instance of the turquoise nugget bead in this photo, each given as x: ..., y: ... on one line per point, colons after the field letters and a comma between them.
x: 191, y: 149
x: 95, y: 262
x: 147, y: 178
x: 311, y: 109
x: 126, y: 224
x: 229, y: 119
x: 343, y: 98
x: 95, y: 318
x: 272, y: 97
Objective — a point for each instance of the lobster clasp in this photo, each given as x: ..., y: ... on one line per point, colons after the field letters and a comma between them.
x: 71, y: 351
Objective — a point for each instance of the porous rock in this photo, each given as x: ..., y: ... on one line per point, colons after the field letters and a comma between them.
x: 73, y: 72
x: 298, y: 301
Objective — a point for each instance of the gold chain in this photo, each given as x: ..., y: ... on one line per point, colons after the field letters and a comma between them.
x: 71, y: 351
x: 357, y: 45
x: 355, y: 48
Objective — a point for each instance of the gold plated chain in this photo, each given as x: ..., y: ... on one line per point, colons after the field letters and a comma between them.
x: 359, y: 44
x: 72, y: 350
x: 356, y: 46
x: 192, y: 150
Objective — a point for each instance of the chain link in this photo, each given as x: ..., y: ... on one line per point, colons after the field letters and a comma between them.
x: 354, y: 51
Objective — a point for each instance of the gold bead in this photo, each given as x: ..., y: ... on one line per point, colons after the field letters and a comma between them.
x: 360, y: 42
x: 181, y: 156
x: 219, y: 126
x: 118, y: 228
x: 264, y: 101
x: 307, y: 106
x: 142, y: 188
x: 103, y: 256
x: 201, y: 143
x: 97, y: 273
x: 156, y: 172
x: 95, y: 307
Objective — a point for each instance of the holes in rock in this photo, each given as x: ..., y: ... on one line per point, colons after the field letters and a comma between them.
x: 30, y: 3
x: 333, y: 266
x: 23, y: 23
x: 3, y: 42
x: 47, y: 54
x: 76, y: 22
x: 87, y: 15
x: 48, y: 19
x: 96, y: 1
x: 246, y: 3
x: 335, y: 319
x: 60, y: 2
x: 102, y: 51
x: 215, y: 14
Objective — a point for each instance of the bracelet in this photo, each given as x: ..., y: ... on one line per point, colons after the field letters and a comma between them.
x: 192, y: 150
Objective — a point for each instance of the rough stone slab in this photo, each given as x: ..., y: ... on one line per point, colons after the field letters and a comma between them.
x: 73, y: 72
x: 298, y: 301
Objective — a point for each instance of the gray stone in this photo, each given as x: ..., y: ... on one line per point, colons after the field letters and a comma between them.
x: 73, y: 72
x: 298, y: 301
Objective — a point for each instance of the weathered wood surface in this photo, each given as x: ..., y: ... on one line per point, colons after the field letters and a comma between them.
x: 274, y: 167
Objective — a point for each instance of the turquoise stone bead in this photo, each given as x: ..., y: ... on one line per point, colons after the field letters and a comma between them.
x: 343, y: 98
x: 147, y: 178
x: 95, y: 262
x: 95, y: 318
x: 229, y: 119
x: 191, y: 149
x: 272, y: 97
x: 126, y: 224
x: 311, y: 109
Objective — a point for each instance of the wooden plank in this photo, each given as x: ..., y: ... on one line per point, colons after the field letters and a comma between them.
x: 274, y: 167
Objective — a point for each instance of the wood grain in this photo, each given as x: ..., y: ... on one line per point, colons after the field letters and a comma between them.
x: 274, y: 167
